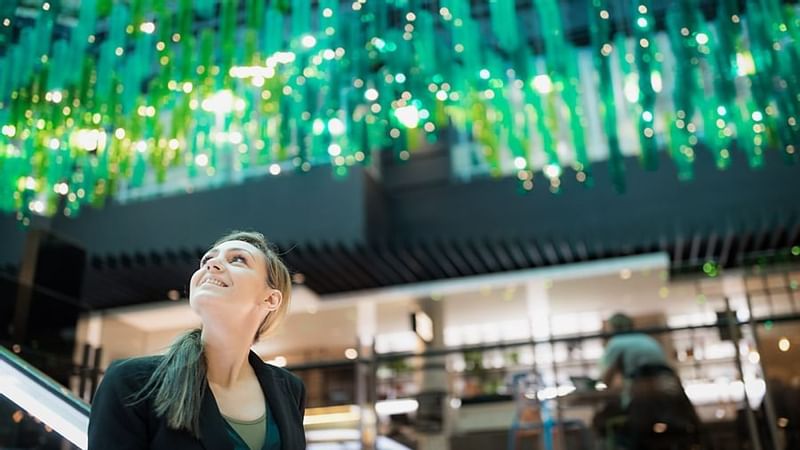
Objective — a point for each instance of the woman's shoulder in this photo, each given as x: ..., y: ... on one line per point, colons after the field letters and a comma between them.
x: 131, y: 373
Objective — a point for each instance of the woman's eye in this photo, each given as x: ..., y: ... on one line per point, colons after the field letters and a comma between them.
x: 239, y: 258
x: 204, y: 260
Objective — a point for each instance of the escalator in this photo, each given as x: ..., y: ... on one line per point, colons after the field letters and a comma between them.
x: 36, y: 412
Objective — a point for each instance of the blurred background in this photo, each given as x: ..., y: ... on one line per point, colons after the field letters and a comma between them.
x: 465, y: 192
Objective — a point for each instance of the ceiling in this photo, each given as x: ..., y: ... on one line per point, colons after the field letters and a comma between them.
x: 411, y: 222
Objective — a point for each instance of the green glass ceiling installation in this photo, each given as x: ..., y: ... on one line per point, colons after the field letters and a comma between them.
x: 98, y: 97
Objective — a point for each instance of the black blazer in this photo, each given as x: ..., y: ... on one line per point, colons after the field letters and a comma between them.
x: 115, y: 425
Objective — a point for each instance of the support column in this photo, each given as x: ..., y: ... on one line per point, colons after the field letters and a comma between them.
x: 734, y: 287
x: 367, y: 324
x: 432, y: 417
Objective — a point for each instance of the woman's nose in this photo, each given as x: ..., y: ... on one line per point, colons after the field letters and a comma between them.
x: 213, y: 264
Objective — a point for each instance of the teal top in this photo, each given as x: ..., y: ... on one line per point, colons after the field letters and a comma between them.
x: 272, y: 440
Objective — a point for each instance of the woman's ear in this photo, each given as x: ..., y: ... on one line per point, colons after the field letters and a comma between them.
x: 274, y: 300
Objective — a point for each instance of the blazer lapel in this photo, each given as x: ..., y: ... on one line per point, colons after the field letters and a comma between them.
x: 213, y: 434
x: 277, y: 393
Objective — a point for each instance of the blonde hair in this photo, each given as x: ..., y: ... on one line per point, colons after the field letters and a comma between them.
x: 178, y: 383
x: 278, y: 276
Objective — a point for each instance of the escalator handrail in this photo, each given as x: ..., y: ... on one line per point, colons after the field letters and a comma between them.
x: 44, y: 381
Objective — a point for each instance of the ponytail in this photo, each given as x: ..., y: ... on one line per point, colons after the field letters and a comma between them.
x: 178, y: 384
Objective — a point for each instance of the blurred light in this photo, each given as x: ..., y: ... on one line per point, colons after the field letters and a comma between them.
x: 331, y: 414
x: 485, y: 74
x: 784, y: 344
x: 745, y: 64
x: 308, y: 41
x: 701, y: 38
x: 371, y: 94
x: 408, y: 116
x: 281, y: 58
x: 754, y: 357
x: 90, y: 139
x: 37, y: 206
x: 335, y: 127
x: 392, y: 407
x: 147, y: 27
x: 552, y: 170
x: 275, y: 169
x: 520, y: 162
x: 655, y: 81
x: 334, y: 149
x: 318, y: 126
x: 222, y: 102
x: 757, y: 116
x: 543, y: 84
x: 631, y: 88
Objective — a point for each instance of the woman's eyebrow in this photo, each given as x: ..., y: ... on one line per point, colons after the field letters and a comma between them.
x: 215, y: 251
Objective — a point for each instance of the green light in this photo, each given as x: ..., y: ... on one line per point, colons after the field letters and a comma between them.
x: 119, y: 81
x: 796, y: 250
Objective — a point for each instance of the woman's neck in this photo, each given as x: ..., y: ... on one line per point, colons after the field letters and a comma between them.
x: 227, y: 352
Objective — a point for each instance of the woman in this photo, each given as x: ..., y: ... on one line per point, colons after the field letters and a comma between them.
x: 210, y: 390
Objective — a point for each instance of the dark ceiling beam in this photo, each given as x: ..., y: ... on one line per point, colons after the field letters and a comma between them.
x: 437, y: 267
x: 471, y: 257
x: 711, y: 247
x: 457, y: 258
x: 502, y: 255
x: 794, y: 236
x: 316, y: 277
x: 744, y: 245
x: 377, y: 263
x: 581, y: 251
x: 515, y: 250
x: 533, y: 252
x: 695, y: 248
x: 415, y: 266
x: 566, y: 252
x: 550, y: 253
x: 727, y: 246
x: 339, y: 275
x: 362, y: 272
x: 776, y: 238
x: 486, y: 256
x: 388, y: 255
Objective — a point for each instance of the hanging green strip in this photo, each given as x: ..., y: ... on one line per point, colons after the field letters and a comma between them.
x: 132, y: 92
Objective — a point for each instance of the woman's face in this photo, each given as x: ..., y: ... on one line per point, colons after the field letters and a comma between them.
x: 231, y: 283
